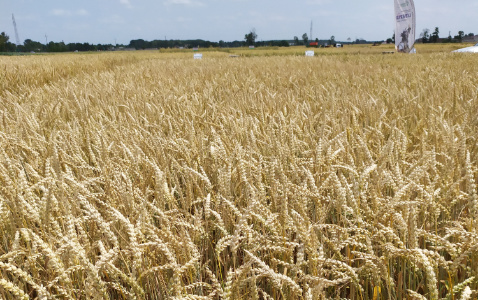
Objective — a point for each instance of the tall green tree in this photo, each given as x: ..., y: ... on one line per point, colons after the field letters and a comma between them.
x: 251, y: 37
x: 3, y: 41
x: 57, y: 47
x: 32, y: 45
x: 425, y: 35
x: 306, y: 39
x: 435, y: 35
x: 332, y: 40
x: 284, y: 43
x: 296, y: 40
x: 460, y: 36
x: 138, y: 44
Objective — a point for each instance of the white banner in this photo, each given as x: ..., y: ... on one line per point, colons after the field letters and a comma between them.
x: 404, y: 25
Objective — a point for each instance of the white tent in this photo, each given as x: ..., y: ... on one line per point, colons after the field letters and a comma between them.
x: 472, y: 49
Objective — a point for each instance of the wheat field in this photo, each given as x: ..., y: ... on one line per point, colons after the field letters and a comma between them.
x: 150, y: 175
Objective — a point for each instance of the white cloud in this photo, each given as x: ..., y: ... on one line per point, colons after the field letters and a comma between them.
x: 82, y: 12
x: 61, y: 12
x: 184, y: 2
x: 126, y: 3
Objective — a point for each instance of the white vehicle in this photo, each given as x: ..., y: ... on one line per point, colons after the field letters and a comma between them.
x: 472, y: 49
x: 338, y: 45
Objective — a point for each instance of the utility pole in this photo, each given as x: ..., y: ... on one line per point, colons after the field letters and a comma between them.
x: 310, y: 37
x: 16, y: 31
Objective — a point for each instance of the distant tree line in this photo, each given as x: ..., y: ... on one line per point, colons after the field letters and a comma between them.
x: 139, y: 44
x: 426, y: 36
x: 33, y: 46
x: 250, y: 39
x: 434, y: 37
x: 156, y: 44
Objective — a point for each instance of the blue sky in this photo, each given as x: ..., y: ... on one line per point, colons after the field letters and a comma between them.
x: 104, y: 21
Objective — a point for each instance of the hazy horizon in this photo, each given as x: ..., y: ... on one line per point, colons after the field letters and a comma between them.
x: 110, y: 21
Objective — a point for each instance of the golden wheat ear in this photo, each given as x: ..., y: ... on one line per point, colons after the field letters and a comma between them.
x: 147, y: 175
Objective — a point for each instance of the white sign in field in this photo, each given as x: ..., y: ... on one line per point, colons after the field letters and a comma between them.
x: 197, y: 55
x: 309, y: 53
